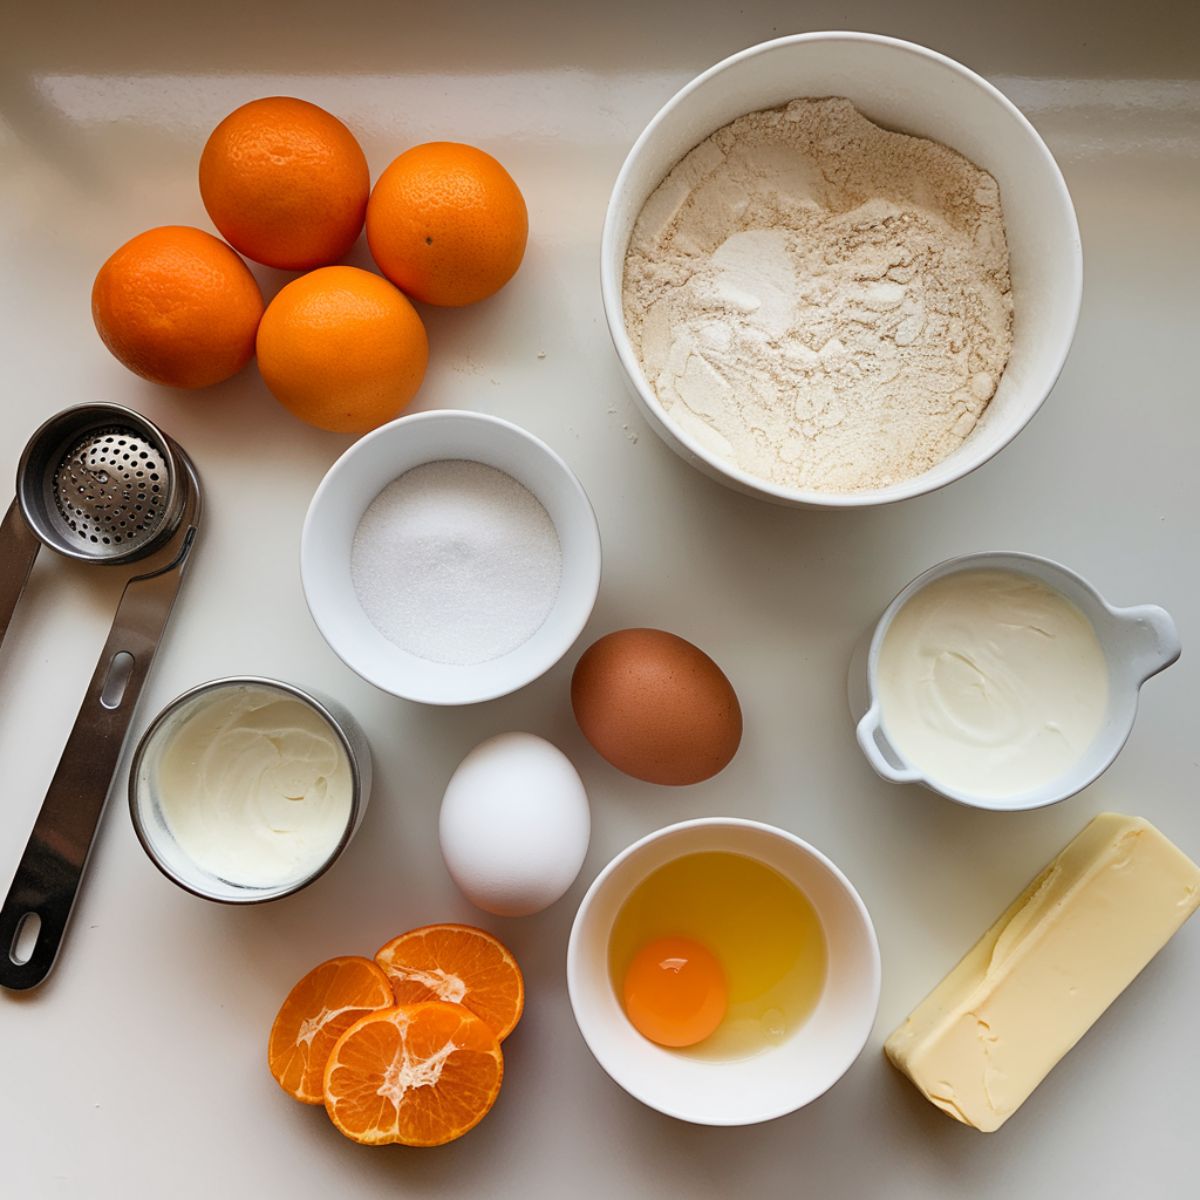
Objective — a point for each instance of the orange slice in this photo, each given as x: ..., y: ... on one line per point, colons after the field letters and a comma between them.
x: 457, y: 964
x: 418, y: 1074
x: 317, y: 1011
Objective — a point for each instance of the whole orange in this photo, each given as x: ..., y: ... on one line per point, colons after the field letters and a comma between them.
x: 285, y: 182
x: 447, y: 224
x: 342, y: 349
x: 177, y: 306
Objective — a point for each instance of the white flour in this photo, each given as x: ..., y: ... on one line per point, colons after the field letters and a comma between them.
x: 820, y: 301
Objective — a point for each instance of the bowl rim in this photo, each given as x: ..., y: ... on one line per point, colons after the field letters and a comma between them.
x: 611, y: 279
x: 590, y: 544
x: 136, y: 798
x: 574, y: 957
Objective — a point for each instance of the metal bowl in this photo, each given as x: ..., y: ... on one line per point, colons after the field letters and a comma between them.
x: 154, y: 831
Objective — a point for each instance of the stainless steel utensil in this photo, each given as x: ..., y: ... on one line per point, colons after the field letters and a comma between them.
x: 102, y: 484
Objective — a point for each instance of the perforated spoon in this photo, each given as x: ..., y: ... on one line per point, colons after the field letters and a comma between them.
x: 102, y: 484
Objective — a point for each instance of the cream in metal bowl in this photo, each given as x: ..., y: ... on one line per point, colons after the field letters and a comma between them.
x: 248, y: 789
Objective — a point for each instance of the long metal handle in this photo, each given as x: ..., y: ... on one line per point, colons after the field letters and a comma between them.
x: 18, y: 548
x: 50, y: 870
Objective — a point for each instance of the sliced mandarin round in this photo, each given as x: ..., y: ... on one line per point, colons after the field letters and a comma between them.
x: 317, y: 1011
x: 416, y: 1074
x: 457, y: 964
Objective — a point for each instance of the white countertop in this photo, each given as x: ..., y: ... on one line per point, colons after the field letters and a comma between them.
x: 138, y: 1069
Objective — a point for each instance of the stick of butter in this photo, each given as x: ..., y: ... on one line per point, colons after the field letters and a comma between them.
x: 1036, y: 982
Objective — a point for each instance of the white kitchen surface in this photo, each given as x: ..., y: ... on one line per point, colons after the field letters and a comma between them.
x: 138, y: 1070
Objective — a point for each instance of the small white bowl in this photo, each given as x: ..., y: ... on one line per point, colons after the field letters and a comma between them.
x: 363, y: 472
x: 904, y: 87
x: 151, y: 825
x: 1137, y: 643
x: 740, y: 1091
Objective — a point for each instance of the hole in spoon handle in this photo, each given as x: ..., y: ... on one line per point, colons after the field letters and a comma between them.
x: 25, y: 940
x: 31, y: 930
x: 119, y: 672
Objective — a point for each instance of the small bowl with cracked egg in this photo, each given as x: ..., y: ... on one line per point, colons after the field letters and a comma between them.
x: 723, y: 971
x: 840, y: 270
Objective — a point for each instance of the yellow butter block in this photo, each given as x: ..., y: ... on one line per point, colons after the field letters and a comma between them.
x: 1036, y: 982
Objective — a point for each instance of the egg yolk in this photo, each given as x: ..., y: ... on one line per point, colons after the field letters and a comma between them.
x: 674, y: 992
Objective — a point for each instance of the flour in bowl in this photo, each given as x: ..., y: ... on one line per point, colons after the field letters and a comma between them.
x: 819, y: 301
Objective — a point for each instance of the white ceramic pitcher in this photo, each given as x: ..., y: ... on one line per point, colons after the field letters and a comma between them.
x: 1137, y: 642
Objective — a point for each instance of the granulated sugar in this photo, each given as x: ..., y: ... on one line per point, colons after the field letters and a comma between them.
x: 456, y: 562
x: 823, y: 302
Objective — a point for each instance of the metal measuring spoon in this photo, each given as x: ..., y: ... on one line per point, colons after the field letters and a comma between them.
x: 99, y: 483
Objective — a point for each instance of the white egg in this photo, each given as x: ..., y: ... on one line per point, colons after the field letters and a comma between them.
x: 514, y: 825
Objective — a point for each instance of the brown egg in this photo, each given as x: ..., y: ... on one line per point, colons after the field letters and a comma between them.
x: 656, y: 707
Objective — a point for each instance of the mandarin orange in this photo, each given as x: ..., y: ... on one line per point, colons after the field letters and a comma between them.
x: 447, y: 224
x: 458, y: 964
x: 285, y: 182
x: 178, y: 307
x: 342, y: 349
x: 418, y: 1074
x: 317, y: 1011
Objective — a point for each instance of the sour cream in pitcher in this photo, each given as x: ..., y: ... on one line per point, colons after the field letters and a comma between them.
x: 991, y: 682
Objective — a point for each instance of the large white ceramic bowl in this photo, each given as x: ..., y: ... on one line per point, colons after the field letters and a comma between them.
x: 741, y: 1091
x: 363, y: 472
x: 914, y: 90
